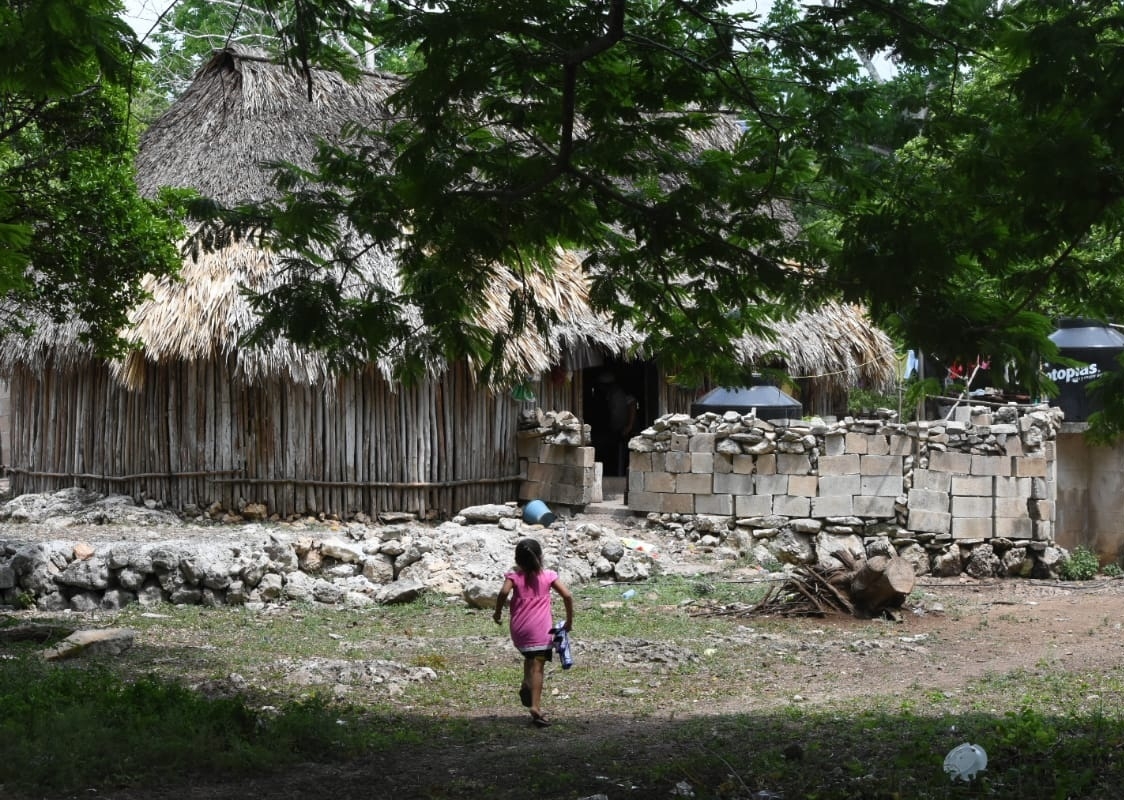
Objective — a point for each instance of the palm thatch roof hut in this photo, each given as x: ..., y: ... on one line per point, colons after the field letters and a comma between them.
x: 194, y: 419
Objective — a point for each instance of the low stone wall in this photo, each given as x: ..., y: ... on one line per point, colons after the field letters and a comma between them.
x: 975, y: 493
x: 161, y: 559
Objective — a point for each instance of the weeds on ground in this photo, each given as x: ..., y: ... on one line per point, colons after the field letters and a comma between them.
x: 1081, y: 565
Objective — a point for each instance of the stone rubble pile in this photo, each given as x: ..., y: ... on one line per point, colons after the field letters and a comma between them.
x: 162, y: 559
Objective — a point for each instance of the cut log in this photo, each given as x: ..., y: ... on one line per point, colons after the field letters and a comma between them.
x: 881, y: 582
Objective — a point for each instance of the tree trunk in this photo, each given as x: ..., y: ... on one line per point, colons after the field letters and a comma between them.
x: 881, y: 582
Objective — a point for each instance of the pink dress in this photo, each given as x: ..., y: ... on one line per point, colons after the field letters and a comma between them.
x: 530, y: 609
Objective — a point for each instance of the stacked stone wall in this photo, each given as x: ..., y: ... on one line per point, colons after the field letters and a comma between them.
x: 556, y: 460
x: 975, y: 493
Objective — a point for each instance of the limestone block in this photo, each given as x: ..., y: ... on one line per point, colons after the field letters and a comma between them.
x: 835, y: 444
x: 644, y: 501
x: 880, y: 465
x: 881, y: 485
x: 832, y: 506
x: 879, y: 507
x: 929, y: 521
x: 1008, y: 506
x: 734, y: 483
x: 1014, y: 528
x: 659, y: 462
x: 972, y: 527
x: 537, y: 471
x: 677, y: 503
x: 931, y: 480
x: 1013, y: 446
x: 974, y: 486
x: 702, y: 462
x: 753, y: 505
x: 723, y: 462
x: 925, y: 500
x: 991, y: 465
x: 966, y: 507
x: 840, y: 465
x: 839, y: 484
x: 803, y: 485
x: 877, y: 445
x: 769, y: 484
x: 680, y: 442
x: 635, y: 481
x: 793, y: 464
x: 641, y: 462
x: 570, y: 494
x: 1043, y: 531
x: 1012, y: 487
x: 582, y: 457
x: 766, y: 464
x: 791, y: 506
x: 856, y: 443
x: 722, y: 504
x: 694, y: 483
x: 555, y: 453
x: 743, y: 465
x: 659, y: 482
x: 1041, y: 510
x: 945, y: 461
x: 677, y: 461
x: 701, y: 443
x: 1030, y: 467
x: 901, y: 445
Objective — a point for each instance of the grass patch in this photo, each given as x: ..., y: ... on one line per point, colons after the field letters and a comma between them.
x: 711, y: 715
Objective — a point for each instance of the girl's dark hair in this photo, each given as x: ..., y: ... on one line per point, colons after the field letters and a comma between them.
x: 528, y: 555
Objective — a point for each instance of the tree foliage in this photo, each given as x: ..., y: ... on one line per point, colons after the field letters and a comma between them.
x: 75, y: 238
x: 966, y: 201
x: 1004, y: 211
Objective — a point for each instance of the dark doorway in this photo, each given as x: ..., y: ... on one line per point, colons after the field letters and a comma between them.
x: 619, y: 401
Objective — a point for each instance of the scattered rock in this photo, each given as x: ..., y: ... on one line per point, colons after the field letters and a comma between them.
x: 107, y: 641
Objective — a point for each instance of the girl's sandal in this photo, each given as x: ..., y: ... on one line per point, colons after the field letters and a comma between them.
x: 539, y: 720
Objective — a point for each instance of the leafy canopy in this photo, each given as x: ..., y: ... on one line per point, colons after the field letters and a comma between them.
x: 75, y: 238
x: 966, y: 201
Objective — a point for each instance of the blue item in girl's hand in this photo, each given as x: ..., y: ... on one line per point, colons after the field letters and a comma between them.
x: 562, y: 644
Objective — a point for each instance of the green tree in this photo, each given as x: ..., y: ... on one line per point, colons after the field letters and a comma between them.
x: 75, y: 238
x: 1004, y: 211
x: 532, y: 126
x: 650, y: 136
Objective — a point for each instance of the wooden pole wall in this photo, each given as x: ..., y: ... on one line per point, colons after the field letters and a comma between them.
x: 194, y: 437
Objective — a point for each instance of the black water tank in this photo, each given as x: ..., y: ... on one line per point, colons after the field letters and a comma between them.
x: 770, y: 402
x: 1096, y: 346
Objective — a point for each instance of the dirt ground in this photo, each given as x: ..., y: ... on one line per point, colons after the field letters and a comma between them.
x: 952, y: 632
x: 961, y: 630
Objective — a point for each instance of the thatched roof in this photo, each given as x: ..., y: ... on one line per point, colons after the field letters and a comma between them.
x: 242, y: 110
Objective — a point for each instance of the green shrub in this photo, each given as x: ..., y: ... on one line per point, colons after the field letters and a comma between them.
x: 1113, y: 570
x: 1081, y: 565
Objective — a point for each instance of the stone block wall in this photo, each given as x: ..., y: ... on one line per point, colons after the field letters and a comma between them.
x: 556, y: 460
x: 939, y: 489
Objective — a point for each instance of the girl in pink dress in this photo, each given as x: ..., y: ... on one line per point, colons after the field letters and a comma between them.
x: 529, y: 586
